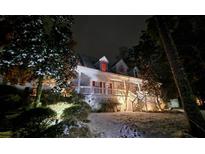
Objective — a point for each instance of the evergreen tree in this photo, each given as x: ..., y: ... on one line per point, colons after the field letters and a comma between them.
x: 42, y: 44
x: 195, y: 118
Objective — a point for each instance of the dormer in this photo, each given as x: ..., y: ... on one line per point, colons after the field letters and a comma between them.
x: 120, y: 67
x: 103, y: 64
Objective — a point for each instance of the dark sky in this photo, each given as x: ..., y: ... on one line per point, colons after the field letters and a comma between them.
x: 103, y: 35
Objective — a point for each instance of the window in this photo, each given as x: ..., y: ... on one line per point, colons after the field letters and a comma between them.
x: 97, y: 84
x: 99, y: 87
x: 118, y: 85
x: 93, y: 83
x: 110, y: 90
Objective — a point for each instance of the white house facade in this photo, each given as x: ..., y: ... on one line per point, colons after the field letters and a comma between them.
x: 102, y: 83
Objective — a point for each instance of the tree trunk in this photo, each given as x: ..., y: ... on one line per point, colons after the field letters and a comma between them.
x: 193, y: 114
x: 39, y: 92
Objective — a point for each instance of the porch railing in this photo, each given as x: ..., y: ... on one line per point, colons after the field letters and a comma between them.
x: 86, y: 90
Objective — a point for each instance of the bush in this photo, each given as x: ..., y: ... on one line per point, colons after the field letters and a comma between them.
x: 10, y: 102
x: 8, y: 90
x: 109, y: 106
x: 79, y: 112
x: 75, y: 98
x: 73, y: 124
x: 49, y: 97
x: 68, y: 128
x: 5, y: 124
x: 32, y: 122
x: 12, y: 98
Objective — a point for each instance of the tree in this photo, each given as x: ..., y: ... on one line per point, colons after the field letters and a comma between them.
x: 44, y: 45
x: 19, y: 75
x: 195, y: 118
x: 149, y: 57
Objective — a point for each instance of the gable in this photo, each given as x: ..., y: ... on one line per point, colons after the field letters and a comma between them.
x: 120, y: 67
x: 104, y: 59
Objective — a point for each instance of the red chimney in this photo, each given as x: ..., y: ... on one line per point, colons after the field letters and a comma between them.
x: 103, y: 64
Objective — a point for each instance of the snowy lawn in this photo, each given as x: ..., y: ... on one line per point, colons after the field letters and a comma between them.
x: 138, y: 124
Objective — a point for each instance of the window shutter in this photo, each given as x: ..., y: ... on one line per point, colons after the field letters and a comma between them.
x: 93, y: 83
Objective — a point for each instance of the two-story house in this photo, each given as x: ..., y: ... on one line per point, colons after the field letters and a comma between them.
x: 99, y: 81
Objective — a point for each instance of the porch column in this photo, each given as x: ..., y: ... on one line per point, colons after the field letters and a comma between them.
x: 138, y: 86
x: 127, y: 100
x: 106, y: 88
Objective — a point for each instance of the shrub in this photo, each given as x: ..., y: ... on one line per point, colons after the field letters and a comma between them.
x: 68, y: 128
x: 7, y: 90
x: 73, y: 124
x: 12, y: 98
x: 49, y: 97
x: 75, y: 98
x: 32, y: 122
x: 108, y: 106
x: 10, y: 102
x: 79, y: 112
x: 5, y: 124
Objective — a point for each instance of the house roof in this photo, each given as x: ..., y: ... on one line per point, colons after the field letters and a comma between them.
x: 87, y: 61
x: 92, y: 62
x: 119, y: 61
x: 104, y: 59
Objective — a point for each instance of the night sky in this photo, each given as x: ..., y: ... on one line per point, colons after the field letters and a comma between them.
x: 103, y: 35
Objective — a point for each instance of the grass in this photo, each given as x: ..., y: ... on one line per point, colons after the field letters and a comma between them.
x: 5, y: 134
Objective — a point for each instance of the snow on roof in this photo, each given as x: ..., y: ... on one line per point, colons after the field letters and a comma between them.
x: 93, y: 62
x: 104, y: 59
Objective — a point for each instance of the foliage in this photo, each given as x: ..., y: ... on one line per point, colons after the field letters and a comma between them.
x: 68, y: 128
x: 187, y: 33
x: 18, y: 75
x: 76, y: 98
x: 33, y: 122
x: 10, y: 102
x: 79, y: 112
x: 195, y: 118
x: 7, y: 90
x: 149, y: 56
x: 108, y: 105
x: 12, y: 98
x: 5, y: 124
x: 74, y: 119
x: 43, y: 44
x: 49, y: 97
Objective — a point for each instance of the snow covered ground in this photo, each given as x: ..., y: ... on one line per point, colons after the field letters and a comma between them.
x: 138, y: 124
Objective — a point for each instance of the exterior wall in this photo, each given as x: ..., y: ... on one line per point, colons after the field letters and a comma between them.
x: 97, y: 75
x: 95, y: 96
